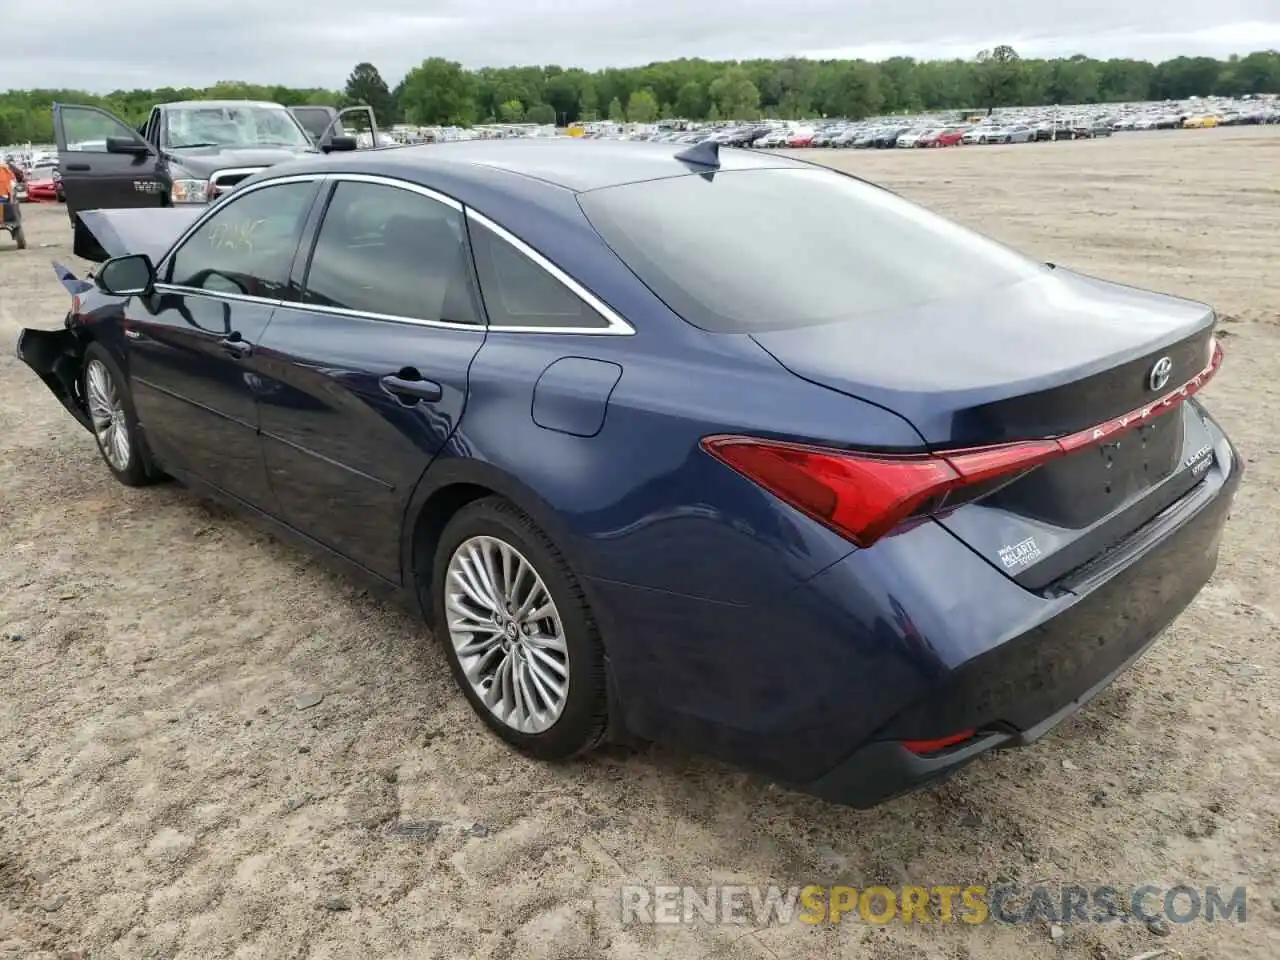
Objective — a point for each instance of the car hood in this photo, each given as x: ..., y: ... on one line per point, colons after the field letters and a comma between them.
x: 149, y: 230
x: 203, y: 161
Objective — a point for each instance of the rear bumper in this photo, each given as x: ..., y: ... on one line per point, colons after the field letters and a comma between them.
x: 885, y: 769
x: 1022, y: 689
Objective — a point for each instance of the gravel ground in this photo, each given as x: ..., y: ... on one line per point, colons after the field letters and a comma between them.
x: 168, y: 791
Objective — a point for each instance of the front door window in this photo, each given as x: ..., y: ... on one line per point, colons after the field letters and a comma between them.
x: 87, y: 129
x: 247, y: 247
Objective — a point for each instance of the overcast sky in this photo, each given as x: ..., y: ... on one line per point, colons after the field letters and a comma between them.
x: 102, y: 45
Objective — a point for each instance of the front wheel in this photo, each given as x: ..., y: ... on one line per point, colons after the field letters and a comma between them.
x: 115, y: 425
x: 518, y: 633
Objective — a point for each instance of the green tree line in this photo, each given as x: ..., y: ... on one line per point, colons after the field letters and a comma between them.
x: 440, y: 91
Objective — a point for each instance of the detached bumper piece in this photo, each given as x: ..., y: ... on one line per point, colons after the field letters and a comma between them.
x: 56, y: 356
x: 1017, y: 692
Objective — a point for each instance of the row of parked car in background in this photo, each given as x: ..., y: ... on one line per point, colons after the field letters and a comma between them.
x: 191, y: 151
x: 1018, y: 125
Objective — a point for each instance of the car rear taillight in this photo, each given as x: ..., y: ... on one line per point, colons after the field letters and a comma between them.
x: 862, y: 496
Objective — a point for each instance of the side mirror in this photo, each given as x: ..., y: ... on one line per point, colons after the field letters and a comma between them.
x: 127, y: 145
x: 128, y: 276
x: 339, y: 143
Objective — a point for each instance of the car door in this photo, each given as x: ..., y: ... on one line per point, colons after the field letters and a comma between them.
x: 104, y: 162
x: 322, y: 124
x: 191, y: 346
x: 151, y: 129
x: 365, y: 376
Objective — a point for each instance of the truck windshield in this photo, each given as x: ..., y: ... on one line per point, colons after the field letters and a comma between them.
x: 233, y: 125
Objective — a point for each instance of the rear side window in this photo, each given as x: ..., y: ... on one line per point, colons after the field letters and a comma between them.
x: 520, y: 292
x: 770, y: 249
x: 391, y: 252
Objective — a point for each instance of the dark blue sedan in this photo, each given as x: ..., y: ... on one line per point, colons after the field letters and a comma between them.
x: 705, y: 446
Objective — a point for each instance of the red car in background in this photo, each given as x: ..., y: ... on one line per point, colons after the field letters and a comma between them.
x: 44, y: 185
x: 949, y: 137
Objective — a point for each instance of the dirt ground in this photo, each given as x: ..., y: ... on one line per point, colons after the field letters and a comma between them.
x: 163, y: 796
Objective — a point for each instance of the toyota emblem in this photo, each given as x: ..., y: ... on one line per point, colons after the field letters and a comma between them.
x: 1160, y: 373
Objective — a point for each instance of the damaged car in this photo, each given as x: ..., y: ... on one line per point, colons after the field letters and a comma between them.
x: 846, y: 506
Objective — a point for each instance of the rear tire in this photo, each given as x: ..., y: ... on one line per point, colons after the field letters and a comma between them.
x: 115, y: 424
x: 518, y: 632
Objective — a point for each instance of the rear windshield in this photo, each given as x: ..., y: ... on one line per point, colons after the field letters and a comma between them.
x: 748, y: 250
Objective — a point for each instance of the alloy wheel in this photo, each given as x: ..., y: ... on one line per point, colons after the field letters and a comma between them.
x: 507, y: 634
x: 106, y: 411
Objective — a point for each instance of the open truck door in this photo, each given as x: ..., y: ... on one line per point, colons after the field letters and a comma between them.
x: 325, y: 125
x: 315, y: 120
x: 104, y: 162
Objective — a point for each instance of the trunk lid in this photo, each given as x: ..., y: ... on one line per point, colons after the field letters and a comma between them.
x: 1040, y: 358
x: 1045, y: 358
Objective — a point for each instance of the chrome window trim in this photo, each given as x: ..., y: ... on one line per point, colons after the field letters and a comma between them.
x: 382, y: 181
x: 229, y: 171
x: 616, y: 326
x: 383, y: 317
x: 215, y: 294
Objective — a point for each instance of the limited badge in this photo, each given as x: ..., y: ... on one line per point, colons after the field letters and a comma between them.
x: 1200, y: 461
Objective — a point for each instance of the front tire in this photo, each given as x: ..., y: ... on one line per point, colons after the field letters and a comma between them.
x: 115, y: 424
x: 518, y: 632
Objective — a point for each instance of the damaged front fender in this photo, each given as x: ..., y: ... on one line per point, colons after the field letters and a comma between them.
x: 57, y: 357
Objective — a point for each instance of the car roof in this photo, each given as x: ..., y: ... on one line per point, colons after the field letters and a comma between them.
x: 574, y: 164
x: 221, y: 103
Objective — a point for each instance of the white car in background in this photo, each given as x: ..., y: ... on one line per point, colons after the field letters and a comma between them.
x: 980, y: 134
x: 778, y: 138
x: 1018, y: 133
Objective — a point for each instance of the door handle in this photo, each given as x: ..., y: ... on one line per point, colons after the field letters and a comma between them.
x: 410, y: 392
x: 78, y: 167
x: 236, y: 346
